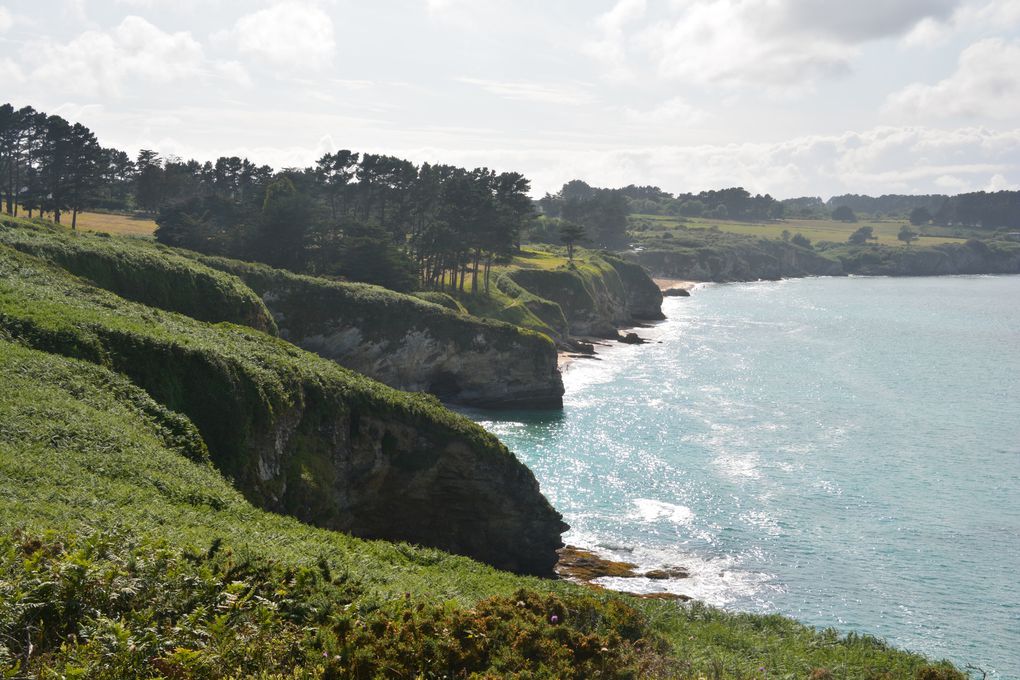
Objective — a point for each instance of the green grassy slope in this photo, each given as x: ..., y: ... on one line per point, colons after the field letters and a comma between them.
x: 137, y: 271
x: 124, y: 554
x: 381, y: 312
x: 297, y: 433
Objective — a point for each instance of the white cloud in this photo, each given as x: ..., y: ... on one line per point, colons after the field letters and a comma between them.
x: 610, y: 46
x: 534, y: 92
x: 103, y: 63
x: 876, y: 161
x: 676, y: 111
x: 295, y: 35
x: 975, y: 16
x: 984, y: 85
x: 775, y: 43
x: 998, y: 182
x: 6, y: 20
x: 10, y: 72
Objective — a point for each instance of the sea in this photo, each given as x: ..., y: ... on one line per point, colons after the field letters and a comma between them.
x: 844, y: 451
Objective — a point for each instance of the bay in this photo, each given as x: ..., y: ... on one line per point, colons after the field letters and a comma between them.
x: 845, y: 451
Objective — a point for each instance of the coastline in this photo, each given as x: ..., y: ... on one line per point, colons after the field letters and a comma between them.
x: 668, y: 287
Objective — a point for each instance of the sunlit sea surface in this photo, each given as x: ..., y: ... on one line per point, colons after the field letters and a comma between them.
x: 843, y: 451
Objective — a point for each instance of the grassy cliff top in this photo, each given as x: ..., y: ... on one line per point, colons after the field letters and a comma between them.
x: 382, y: 313
x: 136, y: 270
x: 50, y: 308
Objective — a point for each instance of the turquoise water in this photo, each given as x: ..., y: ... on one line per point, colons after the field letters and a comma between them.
x: 844, y: 451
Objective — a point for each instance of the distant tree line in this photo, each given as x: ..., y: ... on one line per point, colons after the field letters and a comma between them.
x: 362, y: 216
x: 888, y: 205
x: 603, y: 212
x: 987, y: 210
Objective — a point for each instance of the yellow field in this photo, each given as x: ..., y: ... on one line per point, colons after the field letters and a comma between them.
x: 130, y: 225
x: 816, y: 230
x: 531, y: 258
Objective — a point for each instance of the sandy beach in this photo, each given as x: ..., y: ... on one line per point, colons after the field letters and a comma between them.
x: 675, y: 284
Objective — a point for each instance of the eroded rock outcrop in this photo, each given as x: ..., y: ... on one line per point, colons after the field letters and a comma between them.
x: 298, y: 434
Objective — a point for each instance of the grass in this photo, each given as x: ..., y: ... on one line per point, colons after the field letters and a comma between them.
x: 294, y: 431
x: 540, y: 289
x: 120, y: 224
x: 816, y: 230
x: 137, y: 271
x: 124, y: 554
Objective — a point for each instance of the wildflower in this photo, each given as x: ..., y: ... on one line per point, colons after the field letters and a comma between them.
x: 554, y: 619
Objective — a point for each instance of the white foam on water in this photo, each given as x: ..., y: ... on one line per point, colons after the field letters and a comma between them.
x: 649, y: 510
x: 718, y: 581
x: 737, y: 466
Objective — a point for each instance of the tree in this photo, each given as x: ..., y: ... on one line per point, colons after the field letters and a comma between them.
x: 57, y: 165
x: 571, y: 234
x: 148, y: 180
x: 368, y: 254
x: 844, y: 214
x: 907, y: 235
x: 862, y: 236
x: 801, y: 240
x: 785, y: 235
x: 920, y: 216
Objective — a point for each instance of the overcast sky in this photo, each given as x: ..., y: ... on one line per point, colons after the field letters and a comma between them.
x: 792, y: 97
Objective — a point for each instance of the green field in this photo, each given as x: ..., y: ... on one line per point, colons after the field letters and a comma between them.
x: 110, y: 223
x: 816, y: 230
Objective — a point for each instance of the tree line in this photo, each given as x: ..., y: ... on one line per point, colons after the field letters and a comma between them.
x: 362, y: 216
x: 604, y: 211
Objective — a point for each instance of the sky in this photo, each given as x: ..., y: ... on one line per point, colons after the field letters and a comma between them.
x: 789, y: 97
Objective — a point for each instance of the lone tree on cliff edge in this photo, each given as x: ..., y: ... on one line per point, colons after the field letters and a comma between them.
x: 571, y: 234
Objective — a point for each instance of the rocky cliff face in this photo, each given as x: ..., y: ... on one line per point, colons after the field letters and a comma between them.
x: 762, y: 260
x: 597, y: 295
x: 644, y: 299
x: 771, y: 259
x: 408, y: 343
x: 971, y: 257
x: 295, y: 433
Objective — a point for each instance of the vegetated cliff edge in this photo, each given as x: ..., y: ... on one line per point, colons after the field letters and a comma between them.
x: 396, y: 339
x: 595, y: 295
x: 134, y: 270
x: 738, y: 258
x: 299, y: 434
x: 406, y: 342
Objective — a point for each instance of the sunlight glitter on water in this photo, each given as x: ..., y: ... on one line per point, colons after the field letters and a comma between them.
x: 840, y: 450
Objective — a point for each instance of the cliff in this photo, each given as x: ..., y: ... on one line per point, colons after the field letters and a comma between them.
x: 970, y: 257
x: 406, y: 342
x: 596, y: 295
x: 731, y: 257
x: 298, y: 434
x: 135, y: 270
x: 737, y: 260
